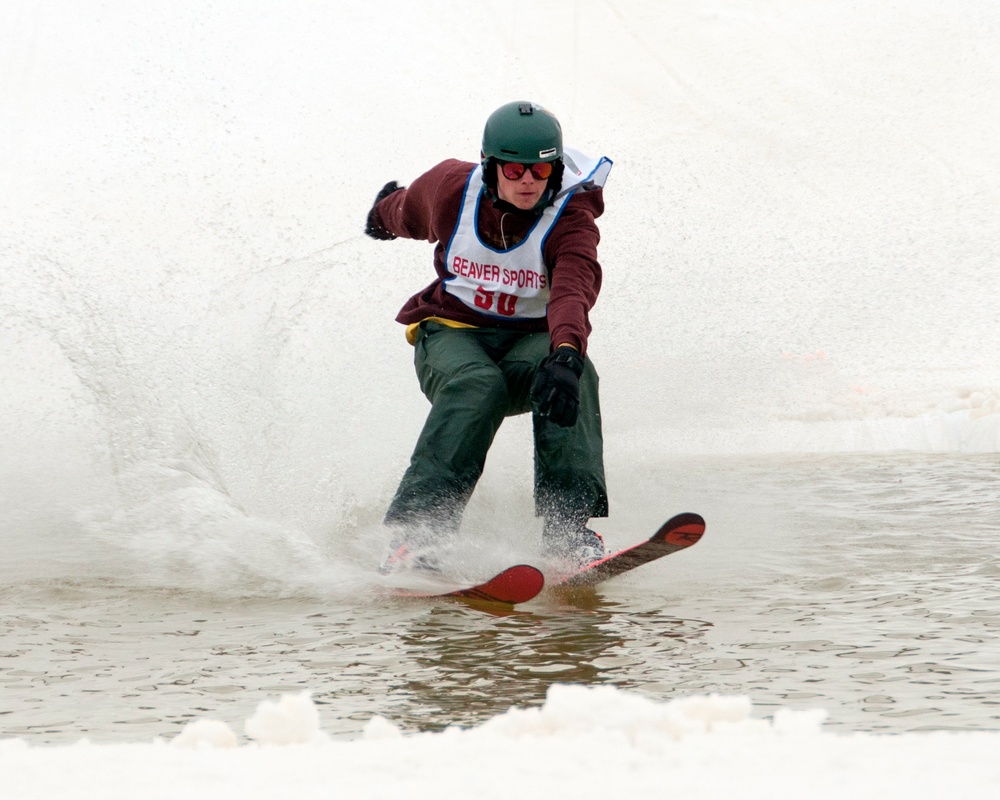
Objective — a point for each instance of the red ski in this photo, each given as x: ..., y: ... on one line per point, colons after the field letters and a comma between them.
x: 677, y: 533
x: 517, y: 584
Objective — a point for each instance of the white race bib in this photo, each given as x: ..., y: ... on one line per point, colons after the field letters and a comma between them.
x: 514, y: 283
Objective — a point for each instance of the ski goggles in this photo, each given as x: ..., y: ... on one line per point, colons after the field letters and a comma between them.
x: 513, y: 171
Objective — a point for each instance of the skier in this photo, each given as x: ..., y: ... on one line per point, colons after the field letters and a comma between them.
x: 501, y: 331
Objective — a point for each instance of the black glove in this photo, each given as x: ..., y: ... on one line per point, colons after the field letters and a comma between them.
x: 556, y: 387
x: 373, y: 228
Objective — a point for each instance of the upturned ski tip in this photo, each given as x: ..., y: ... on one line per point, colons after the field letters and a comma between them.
x: 517, y: 584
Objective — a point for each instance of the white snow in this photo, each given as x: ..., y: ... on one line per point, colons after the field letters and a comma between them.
x: 584, y: 743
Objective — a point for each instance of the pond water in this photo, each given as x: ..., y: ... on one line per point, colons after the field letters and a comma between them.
x: 865, y: 585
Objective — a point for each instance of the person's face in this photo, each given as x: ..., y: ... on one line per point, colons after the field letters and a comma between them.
x: 523, y: 193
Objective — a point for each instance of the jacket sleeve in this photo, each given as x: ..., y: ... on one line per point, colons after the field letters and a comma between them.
x: 414, y: 212
x: 576, y: 273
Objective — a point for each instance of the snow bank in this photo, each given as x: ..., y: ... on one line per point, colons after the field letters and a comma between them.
x: 583, y: 742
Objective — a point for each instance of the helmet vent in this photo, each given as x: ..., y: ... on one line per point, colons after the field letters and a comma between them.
x: 526, y: 109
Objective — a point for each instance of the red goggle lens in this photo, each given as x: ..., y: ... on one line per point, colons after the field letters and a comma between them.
x: 513, y: 171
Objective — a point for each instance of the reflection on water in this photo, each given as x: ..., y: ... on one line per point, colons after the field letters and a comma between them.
x: 467, y: 669
x: 864, y: 585
x: 95, y: 663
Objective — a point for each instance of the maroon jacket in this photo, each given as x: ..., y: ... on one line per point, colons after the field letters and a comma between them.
x: 428, y: 209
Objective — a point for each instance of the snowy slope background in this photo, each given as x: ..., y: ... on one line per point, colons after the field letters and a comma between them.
x: 800, y: 244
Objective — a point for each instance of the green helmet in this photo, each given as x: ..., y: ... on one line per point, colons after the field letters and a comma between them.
x: 523, y: 132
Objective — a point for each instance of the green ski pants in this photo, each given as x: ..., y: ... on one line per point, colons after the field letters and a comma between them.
x: 474, y: 377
